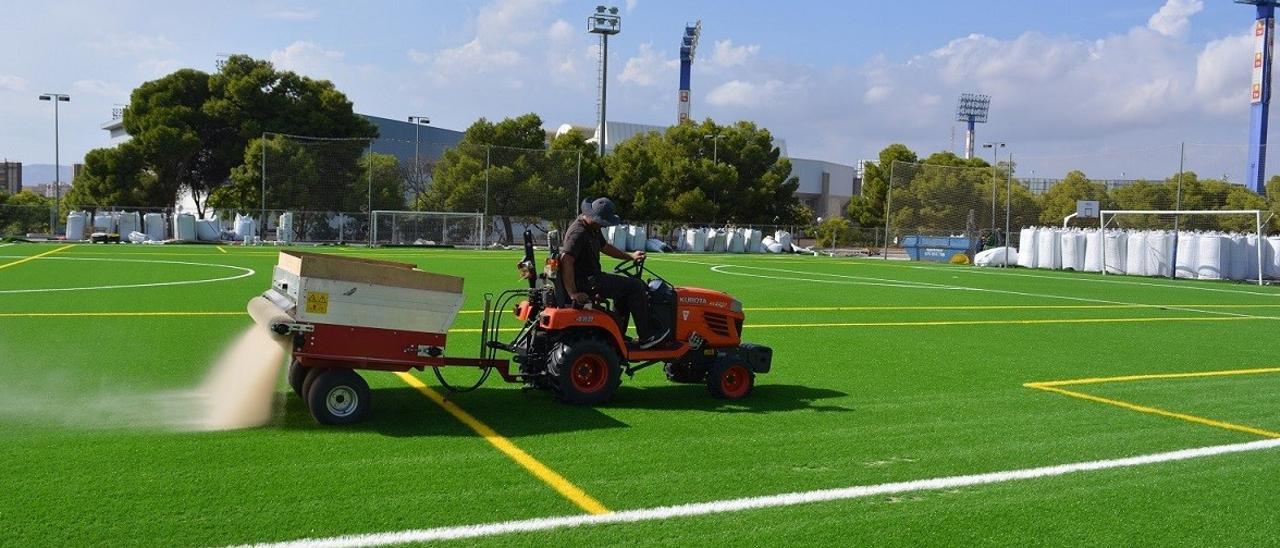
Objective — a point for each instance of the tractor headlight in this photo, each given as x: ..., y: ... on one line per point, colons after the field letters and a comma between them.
x: 735, y: 305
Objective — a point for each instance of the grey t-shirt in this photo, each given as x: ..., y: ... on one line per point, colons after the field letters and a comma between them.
x: 583, y: 243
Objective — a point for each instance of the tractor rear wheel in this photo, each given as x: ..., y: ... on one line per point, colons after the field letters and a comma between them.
x: 730, y: 380
x: 338, y: 396
x: 586, y: 370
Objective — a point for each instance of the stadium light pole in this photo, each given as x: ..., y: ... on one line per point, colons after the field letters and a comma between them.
x: 606, y: 23
x: 417, y: 121
x: 972, y: 109
x: 995, y: 151
x: 57, y: 160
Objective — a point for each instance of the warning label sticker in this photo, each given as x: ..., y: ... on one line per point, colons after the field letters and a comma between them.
x: 317, y: 302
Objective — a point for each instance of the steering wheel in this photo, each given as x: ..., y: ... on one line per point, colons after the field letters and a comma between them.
x: 631, y: 268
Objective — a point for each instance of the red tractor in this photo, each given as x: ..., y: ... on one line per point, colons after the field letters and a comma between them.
x: 579, y: 353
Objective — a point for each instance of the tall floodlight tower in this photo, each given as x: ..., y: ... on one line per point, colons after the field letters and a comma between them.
x: 606, y: 23
x: 688, y: 45
x: 972, y: 110
x: 1264, y: 29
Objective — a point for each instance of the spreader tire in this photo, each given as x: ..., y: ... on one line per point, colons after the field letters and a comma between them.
x: 338, y: 396
x: 730, y: 380
x: 297, y: 375
x: 307, y: 378
x: 585, y: 369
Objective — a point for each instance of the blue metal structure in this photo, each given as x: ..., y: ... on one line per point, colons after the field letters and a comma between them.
x: 1264, y: 28
x: 688, y: 45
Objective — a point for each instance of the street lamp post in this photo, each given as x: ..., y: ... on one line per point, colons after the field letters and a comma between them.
x: 606, y: 23
x: 57, y: 160
x: 417, y: 121
x: 995, y: 151
x: 715, y: 146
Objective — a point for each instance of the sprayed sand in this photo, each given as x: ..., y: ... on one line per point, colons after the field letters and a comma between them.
x: 240, y: 388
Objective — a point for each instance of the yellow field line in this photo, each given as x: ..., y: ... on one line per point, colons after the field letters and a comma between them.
x: 111, y: 314
x: 541, y: 471
x: 1156, y: 411
x: 1130, y: 378
x: 33, y: 257
x: 220, y: 248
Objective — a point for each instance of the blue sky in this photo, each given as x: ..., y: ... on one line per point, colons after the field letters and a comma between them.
x: 1111, y: 87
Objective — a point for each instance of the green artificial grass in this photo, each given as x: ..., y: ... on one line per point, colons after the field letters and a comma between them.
x: 883, y: 372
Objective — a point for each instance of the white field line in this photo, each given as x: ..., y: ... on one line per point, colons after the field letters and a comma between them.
x: 1109, y: 279
x: 6, y: 245
x: 927, y: 285
x: 770, y: 501
x: 244, y: 272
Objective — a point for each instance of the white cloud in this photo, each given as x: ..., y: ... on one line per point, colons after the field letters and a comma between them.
x: 1174, y: 16
x: 737, y: 93
x: 9, y: 82
x: 292, y: 14
x: 1220, y: 82
x: 418, y: 56
x: 100, y: 88
x: 131, y: 43
x: 308, y: 58
x: 155, y: 68
x: 726, y: 54
x: 631, y: 5
x: 648, y: 67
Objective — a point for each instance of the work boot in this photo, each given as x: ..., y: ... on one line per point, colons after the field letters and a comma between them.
x: 654, y: 340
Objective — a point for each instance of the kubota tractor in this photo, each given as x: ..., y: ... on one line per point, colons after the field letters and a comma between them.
x: 579, y: 353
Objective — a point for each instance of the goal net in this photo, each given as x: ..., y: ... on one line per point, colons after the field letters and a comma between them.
x: 426, y: 228
x: 1224, y: 244
x: 976, y: 203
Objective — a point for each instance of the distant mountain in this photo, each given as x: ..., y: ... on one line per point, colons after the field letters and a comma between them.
x: 38, y: 174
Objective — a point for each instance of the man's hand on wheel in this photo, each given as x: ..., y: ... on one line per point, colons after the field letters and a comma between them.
x: 580, y: 298
x: 637, y: 255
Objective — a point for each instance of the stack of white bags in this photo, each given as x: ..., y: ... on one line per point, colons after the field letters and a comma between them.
x: 733, y: 240
x: 1195, y: 255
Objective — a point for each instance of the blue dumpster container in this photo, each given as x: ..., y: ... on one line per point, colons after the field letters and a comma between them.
x: 934, y: 248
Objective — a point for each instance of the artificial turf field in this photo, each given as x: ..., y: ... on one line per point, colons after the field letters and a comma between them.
x: 883, y: 372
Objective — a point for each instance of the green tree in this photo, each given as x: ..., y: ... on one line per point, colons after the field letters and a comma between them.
x: 507, y: 169
x: 867, y: 209
x: 1060, y: 200
x: 191, y: 129
x: 23, y: 212
x: 702, y: 173
x: 386, y: 180
x: 116, y: 176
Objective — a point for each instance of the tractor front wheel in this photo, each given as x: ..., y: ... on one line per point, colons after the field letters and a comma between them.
x: 585, y: 369
x: 730, y: 380
x: 338, y: 396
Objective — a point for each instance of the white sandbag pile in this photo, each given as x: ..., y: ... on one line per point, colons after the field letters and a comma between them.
x: 184, y: 227
x: 76, y: 222
x: 1092, y: 250
x: 996, y: 256
x: 637, y: 237
x: 1153, y: 253
x: 153, y: 226
x: 1027, y: 251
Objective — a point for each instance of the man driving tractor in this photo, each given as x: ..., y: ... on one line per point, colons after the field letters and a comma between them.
x: 580, y: 270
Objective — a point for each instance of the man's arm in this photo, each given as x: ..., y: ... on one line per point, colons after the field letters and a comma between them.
x: 621, y: 255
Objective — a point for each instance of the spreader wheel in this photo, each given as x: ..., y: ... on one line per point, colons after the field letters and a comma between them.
x: 338, y: 396
x: 586, y: 371
x: 730, y: 380
x: 297, y: 374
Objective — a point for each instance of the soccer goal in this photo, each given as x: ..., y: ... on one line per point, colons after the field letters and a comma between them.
x: 1227, y: 244
x: 427, y: 228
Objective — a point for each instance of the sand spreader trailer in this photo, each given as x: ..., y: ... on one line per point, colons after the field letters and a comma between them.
x: 339, y: 314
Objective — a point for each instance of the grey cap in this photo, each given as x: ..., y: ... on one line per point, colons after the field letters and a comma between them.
x: 601, y: 211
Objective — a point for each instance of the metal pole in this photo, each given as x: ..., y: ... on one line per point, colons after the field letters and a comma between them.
x: 262, y: 226
x: 57, y: 167
x: 417, y: 164
x: 1261, y: 242
x: 888, y: 199
x: 577, y: 194
x: 604, y: 88
x: 1008, y: 202
x: 484, y: 235
x: 1177, y: 206
x: 369, y: 192
x: 995, y: 152
x: 715, y: 150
